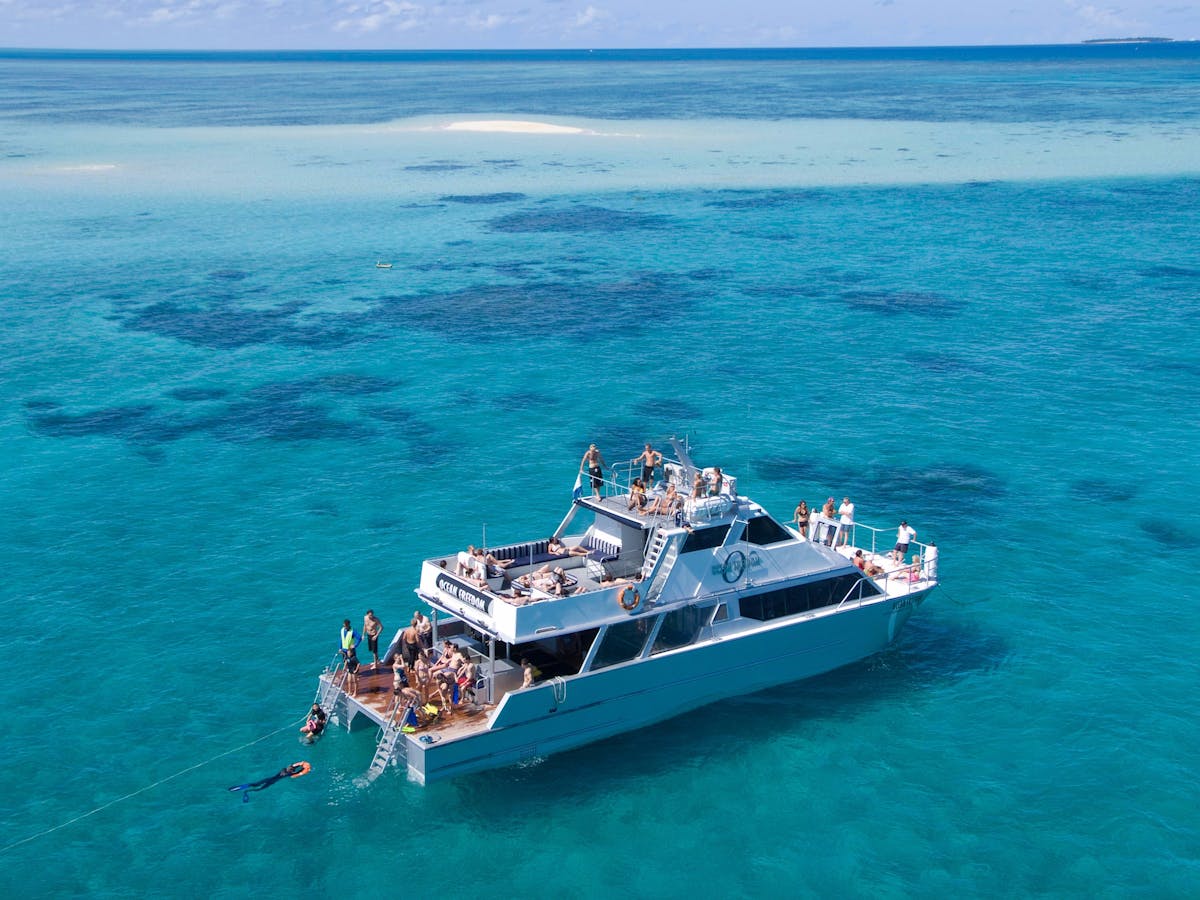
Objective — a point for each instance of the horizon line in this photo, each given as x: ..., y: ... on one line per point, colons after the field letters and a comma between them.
x: 1089, y: 42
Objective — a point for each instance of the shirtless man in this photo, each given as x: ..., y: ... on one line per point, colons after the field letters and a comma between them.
x: 698, y: 486
x: 593, y: 463
x: 410, y: 644
x: 372, y: 628
x: 650, y: 459
x: 445, y: 661
x: 424, y: 628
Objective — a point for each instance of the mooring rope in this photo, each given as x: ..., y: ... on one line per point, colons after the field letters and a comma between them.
x: 148, y: 787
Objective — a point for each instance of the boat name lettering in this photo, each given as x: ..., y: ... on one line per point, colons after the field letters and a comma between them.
x: 903, y: 603
x: 462, y: 593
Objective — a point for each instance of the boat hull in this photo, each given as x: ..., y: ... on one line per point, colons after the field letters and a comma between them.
x: 566, y: 713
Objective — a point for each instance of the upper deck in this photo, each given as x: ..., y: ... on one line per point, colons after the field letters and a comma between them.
x: 716, y: 544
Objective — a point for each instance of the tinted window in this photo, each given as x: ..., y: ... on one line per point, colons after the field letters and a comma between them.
x: 705, y: 538
x: 622, y: 642
x: 765, y: 530
x: 803, y: 597
x: 680, y: 627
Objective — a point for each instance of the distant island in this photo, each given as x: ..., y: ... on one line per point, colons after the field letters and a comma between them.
x: 1131, y: 40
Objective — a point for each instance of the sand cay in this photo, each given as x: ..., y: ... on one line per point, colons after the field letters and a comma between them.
x: 511, y: 126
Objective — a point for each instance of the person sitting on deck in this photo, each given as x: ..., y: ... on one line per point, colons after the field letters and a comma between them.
x: 444, y: 660
x: 718, y: 482
x: 526, y: 673
x: 860, y: 560
x: 637, y: 494
x: 914, y: 571
x: 498, y: 563
x: 664, y: 505
x: 466, y: 680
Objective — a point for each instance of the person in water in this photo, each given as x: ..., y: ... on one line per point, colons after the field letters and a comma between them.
x: 295, y: 770
x: 315, y: 723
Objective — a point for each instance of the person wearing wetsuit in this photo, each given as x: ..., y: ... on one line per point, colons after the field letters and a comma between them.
x: 262, y: 784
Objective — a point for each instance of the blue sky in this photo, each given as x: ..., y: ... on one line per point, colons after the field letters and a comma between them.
x: 485, y: 24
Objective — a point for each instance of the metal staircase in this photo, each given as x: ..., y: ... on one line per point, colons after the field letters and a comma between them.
x: 389, y: 736
x: 653, y: 553
x: 660, y: 570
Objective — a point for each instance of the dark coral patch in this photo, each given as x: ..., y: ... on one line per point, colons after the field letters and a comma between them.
x: 581, y: 218
x: 762, y: 200
x: 563, y: 309
x: 1102, y: 491
x: 926, y: 303
x: 483, y: 199
x: 120, y: 421
x: 197, y: 394
x: 1169, y: 535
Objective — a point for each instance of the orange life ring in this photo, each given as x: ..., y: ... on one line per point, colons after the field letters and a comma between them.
x: 625, y: 591
x: 305, y: 768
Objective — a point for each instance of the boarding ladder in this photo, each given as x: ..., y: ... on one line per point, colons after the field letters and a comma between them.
x: 656, y: 572
x: 330, y: 695
x: 390, y: 735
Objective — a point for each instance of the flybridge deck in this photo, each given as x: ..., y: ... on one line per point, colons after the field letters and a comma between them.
x: 665, y: 590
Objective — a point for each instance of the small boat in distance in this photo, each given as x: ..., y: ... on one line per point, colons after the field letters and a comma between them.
x: 383, y: 265
x: 640, y: 612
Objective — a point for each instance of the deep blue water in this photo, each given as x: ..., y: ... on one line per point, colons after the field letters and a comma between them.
x: 224, y: 430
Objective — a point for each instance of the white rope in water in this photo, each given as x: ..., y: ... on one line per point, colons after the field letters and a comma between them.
x: 148, y: 787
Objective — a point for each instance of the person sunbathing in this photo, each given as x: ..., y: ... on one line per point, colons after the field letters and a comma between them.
x: 664, y: 504
x: 555, y: 547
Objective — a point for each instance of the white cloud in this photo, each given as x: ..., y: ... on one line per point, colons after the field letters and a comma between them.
x: 589, y: 16
x: 366, y: 18
x: 491, y: 21
x: 1101, y: 17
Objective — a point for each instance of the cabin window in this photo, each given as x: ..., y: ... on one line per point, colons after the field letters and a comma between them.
x: 622, y: 642
x: 802, y: 597
x: 721, y: 613
x: 765, y: 530
x: 680, y: 627
x: 705, y: 538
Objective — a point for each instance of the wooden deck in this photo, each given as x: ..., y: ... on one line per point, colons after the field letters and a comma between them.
x: 374, y: 699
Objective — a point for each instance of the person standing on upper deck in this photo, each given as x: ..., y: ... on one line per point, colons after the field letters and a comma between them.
x: 372, y: 628
x: 903, y: 535
x: 846, y: 511
x: 593, y: 463
x: 650, y: 459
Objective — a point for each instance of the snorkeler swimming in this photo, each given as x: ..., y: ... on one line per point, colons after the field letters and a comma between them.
x: 295, y: 770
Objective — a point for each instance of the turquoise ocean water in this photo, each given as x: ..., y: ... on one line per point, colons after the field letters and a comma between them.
x: 961, y: 286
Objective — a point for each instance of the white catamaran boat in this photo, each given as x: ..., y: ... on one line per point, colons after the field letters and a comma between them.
x: 634, y: 618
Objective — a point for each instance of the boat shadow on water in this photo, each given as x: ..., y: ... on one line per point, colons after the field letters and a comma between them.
x: 932, y: 655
